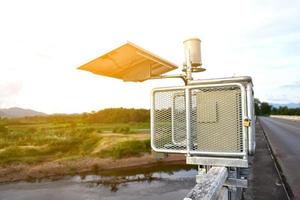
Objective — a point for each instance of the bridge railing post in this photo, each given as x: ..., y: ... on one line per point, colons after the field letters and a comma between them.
x: 209, y: 185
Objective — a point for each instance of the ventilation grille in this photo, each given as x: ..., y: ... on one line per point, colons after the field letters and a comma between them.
x: 169, y: 120
x: 216, y: 120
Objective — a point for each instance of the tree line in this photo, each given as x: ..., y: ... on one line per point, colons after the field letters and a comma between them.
x: 109, y: 115
x: 264, y: 108
x: 127, y: 115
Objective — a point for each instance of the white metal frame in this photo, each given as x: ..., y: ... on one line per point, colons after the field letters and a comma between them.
x: 250, y: 112
x: 188, y: 150
x: 172, y: 124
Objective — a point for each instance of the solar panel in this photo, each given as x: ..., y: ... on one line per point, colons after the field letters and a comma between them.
x: 129, y: 63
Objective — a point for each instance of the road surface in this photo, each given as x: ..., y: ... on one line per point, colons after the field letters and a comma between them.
x: 284, y: 138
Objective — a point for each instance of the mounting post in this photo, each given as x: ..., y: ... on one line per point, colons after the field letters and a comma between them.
x: 188, y: 119
x: 189, y: 76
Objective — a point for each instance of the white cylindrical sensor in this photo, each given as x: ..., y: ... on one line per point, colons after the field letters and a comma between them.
x: 192, y: 52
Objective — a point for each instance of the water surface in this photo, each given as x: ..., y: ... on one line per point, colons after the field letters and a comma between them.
x: 160, y: 182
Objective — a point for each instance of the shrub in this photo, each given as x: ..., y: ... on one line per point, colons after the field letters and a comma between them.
x: 3, y: 129
x: 128, y: 148
x: 99, y: 130
x: 88, y: 130
x: 125, y: 129
x: 31, y: 130
x: 72, y: 125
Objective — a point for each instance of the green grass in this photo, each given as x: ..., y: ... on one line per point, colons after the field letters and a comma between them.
x: 34, y: 143
x: 127, y: 149
x: 102, y: 126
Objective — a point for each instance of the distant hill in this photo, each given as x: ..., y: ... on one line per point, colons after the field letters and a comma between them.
x: 289, y: 105
x: 19, y: 112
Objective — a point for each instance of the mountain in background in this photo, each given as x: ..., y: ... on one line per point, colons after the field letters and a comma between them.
x: 19, y: 112
x: 289, y: 105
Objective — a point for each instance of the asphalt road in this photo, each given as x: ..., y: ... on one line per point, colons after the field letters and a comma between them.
x: 284, y: 138
x: 263, y: 182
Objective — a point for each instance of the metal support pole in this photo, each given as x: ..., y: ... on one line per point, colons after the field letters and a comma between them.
x: 189, y: 76
x: 181, y: 76
x: 188, y: 119
x: 251, y: 128
x: 188, y: 102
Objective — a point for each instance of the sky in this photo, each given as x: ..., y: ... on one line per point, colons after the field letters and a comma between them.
x: 43, y: 42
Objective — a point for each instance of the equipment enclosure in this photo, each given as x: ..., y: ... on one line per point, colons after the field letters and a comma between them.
x: 204, y: 118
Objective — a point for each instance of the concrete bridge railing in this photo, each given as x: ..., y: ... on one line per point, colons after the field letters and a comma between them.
x: 210, y: 185
x: 218, y: 183
x: 290, y: 117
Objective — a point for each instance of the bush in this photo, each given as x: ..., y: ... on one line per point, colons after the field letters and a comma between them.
x: 128, y: 148
x: 121, y: 129
x: 31, y: 130
x: 88, y: 130
x: 72, y: 125
x: 99, y: 130
x: 3, y: 129
x: 17, y: 154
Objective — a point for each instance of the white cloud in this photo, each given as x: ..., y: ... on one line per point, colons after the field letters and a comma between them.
x: 42, y: 43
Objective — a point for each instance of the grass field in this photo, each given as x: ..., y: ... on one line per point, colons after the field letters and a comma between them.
x: 33, y: 143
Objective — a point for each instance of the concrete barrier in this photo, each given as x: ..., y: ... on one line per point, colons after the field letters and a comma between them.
x: 210, y: 186
x: 289, y: 117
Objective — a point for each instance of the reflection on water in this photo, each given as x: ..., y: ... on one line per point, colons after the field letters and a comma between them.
x: 160, y: 182
x: 114, y: 182
x: 121, y: 178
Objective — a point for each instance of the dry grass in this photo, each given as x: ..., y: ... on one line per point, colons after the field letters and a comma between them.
x: 52, y: 142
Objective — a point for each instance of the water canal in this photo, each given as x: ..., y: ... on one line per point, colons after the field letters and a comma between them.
x: 159, y: 182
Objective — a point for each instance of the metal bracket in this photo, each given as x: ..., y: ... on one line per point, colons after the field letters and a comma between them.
x: 227, y: 162
x: 233, y: 182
